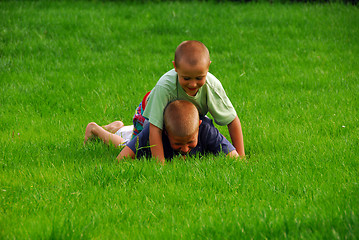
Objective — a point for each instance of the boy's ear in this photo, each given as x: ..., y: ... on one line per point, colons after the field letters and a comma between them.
x: 174, y: 65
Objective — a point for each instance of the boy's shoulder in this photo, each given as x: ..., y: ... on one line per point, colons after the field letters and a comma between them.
x: 210, y: 140
x: 213, y: 82
x: 206, y: 125
x: 169, y: 77
x: 165, y: 86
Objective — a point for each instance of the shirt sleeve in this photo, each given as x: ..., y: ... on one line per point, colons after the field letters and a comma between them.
x: 158, y: 100
x: 213, y: 141
x: 218, y: 102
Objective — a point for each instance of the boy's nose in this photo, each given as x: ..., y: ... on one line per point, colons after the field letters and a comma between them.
x: 185, y: 149
x: 192, y: 85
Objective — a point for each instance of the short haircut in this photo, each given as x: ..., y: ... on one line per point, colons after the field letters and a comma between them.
x: 193, y: 52
x: 181, y: 118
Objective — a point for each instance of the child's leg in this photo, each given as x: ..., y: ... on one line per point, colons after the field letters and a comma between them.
x: 114, y: 126
x: 93, y: 129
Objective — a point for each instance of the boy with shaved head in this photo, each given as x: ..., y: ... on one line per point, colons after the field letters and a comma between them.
x: 191, y: 81
x: 185, y: 133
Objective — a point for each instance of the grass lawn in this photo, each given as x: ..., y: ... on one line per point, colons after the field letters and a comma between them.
x: 291, y: 71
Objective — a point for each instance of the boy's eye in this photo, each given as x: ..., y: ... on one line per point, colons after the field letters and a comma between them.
x: 186, y: 78
x: 199, y: 78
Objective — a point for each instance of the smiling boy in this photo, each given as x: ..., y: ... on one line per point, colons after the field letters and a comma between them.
x: 191, y: 81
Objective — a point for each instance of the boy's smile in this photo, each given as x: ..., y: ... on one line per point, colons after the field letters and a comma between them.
x: 192, y: 78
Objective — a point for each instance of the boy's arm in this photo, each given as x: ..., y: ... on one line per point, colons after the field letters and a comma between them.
x: 235, y: 131
x: 156, y: 143
x: 126, y: 152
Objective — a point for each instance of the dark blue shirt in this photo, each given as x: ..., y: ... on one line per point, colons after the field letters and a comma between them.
x: 210, y: 140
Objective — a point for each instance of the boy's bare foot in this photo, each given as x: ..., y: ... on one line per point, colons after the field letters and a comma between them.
x: 88, y: 133
x: 114, y: 126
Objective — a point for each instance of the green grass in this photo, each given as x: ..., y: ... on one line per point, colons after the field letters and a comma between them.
x: 291, y: 71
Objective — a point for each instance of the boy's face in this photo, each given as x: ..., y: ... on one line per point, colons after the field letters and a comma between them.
x: 191, y: 78
x: 183, y: 145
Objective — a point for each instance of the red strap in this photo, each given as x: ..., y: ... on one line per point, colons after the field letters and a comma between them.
x: 144, y: 100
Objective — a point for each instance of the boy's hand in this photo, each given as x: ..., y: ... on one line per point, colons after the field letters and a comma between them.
x: 233, y: 154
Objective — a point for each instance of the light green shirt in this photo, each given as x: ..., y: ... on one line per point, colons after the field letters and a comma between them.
x: 211, y: 98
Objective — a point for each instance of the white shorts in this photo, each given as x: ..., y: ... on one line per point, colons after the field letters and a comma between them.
x: 126, y: 133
